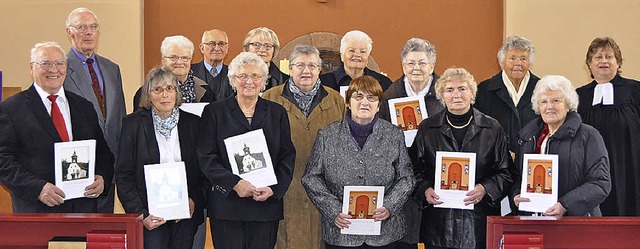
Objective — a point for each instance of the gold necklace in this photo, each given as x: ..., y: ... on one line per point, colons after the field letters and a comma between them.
x: 459, y: 127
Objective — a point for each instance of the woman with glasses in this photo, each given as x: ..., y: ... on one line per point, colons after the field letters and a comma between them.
x: 264, y: 42
x: 159, y: 132
x: 360, y: 150
x: 242, y: 215
x: 177, y: 52
x: 583, y: 168
x: 310, y: 106
x: 459, y: 128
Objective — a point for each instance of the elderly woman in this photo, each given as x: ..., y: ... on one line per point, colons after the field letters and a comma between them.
x: 460, y: 128
x: 264, y: 42
x: 360, y: 150
x: 610, y: 103
x: 242, y: 215
x: 159, y: 132
x: 583, y: 168
x: 310, y: 106
x: 507, y: 95
x: 355, y: 48
x: 177, y: 52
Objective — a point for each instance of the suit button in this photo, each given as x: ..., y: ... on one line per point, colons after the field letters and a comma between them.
x: 360, y: 177
x: 306, y: 128
x: 361, y: 162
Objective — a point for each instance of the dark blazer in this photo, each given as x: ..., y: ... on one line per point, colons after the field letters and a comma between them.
x: 27, y: 135
x: 219, y: 84
x: 139, y: 147
x: 493, y: 99
x: 339, y: 78
x: 77, y: 82
x: 398, y: 90
x: 276, y: 77
x: 224, y: 119
x: 202, y: 90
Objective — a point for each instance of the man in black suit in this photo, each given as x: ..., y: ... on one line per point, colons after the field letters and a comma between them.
x: 214, y: 48
x: 28, y: 133
x: 107, y: 97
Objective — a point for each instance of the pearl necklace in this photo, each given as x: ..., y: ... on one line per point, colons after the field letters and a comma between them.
x: 459, y: 127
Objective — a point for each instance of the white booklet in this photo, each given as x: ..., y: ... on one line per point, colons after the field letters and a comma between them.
x: 407, y: 113
x: 75, y: 164
x: 167, y: 191
x: 359, y: 202
x: 193, y: 108
x: 539, y: 182
x: 455, y: 176
x: 343, y: 91
x: 249, y: 158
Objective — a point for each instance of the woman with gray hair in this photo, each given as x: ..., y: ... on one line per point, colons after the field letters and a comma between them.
x: 159, y: 132
x: 310, y: 106
x: 355, y: 49
x: 583, y: 161
x: 459, y: 128
x: 264, y: 42
x: 507, y: 95
x: 242, y: 215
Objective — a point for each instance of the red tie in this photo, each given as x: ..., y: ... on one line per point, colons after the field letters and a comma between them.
x: 57, y: 118
x: 96, y: 88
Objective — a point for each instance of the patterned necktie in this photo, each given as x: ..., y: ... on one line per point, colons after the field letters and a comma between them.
x: 96, y: 88
x: 58, y: 120
x: 214, y: 71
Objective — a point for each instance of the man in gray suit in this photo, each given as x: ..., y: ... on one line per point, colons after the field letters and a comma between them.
x: 96, y: 79
x: 214, y: 48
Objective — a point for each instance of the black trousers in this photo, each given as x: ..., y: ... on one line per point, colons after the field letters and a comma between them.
x: 170, y: 235
x: 228, y: 234
x: 106, y: 203
x: 393, y: 245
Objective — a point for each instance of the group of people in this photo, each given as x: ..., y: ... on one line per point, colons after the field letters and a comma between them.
x: 319, y: 141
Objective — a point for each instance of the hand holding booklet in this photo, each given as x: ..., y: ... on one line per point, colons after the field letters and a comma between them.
x: 359, y: 202
x: 167, y: 192
x: 249, y: 158
x: 455, y: 177
x: 74, y: 166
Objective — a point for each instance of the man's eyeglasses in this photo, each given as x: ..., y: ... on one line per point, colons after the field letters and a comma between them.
x: 46, y: 65
x: 175, y: 58
x: 301, y: 66
x: 553, y: 102
x: 244, y: 77
x: 84, y: 28
x: 213, y: 44
x: 257, y: 45
x: 360, y: 97
x: 160, y: 89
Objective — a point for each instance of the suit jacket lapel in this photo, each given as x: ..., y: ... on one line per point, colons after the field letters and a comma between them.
x: 501, y: 90
x: 236, y: 112
x: 82, y: 82
x: 183, y: 133
x: 108, y: 78
x: 37, y: 108
x: 260, y: 113
x: 150, y: 134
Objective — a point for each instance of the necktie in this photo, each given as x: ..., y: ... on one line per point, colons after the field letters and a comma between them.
x: 96, y: 88
x: 58, y: 120
x: 214, y: 71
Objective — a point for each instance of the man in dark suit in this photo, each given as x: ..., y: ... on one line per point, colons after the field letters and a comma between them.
x: 214, y: 48
x: 31, y: 122
x: 99, y: 82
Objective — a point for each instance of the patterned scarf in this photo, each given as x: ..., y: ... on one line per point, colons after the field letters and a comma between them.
x: 188, y: 89
x: 164, y: 127
x: 303, y: 100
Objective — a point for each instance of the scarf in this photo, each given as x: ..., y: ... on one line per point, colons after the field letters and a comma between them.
x: 188, y: 89
x: 164, y: 127
x: 303, y: 100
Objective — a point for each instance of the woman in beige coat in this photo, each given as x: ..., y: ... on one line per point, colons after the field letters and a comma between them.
x: 310, y: 106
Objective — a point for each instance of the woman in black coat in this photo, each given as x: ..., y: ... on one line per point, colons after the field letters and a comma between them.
x: 159, y: 133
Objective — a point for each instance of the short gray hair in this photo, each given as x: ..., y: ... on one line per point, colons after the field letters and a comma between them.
x: 77, y: 11
x: 419, y: 45
x: 555, y: 83
x: 355, y: 35
x: 247, y: 59
x: 177, y: 41
x: 46, y: 44
x: 519, y: 43
x: 262, y: 32
x: 304, y: 50
x: 452, y: 74
x: 156, y: 77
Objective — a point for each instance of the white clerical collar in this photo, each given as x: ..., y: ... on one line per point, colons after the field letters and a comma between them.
x: 603, y: 94
x: 411, y: 93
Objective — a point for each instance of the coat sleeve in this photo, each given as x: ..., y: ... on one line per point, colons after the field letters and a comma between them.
x: 499, y: 184
x: 328, y: 204
x: 397, y: 195
x: 126, y: 168
x: 597, y: 181
x: 285, y: 163
x: 423, y: 165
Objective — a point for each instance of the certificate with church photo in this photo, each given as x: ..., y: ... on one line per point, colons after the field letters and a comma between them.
x: 407, y: 113
x: 359, y: 202
x: 455, y: 176
x: 167, y: 192
x: 74, y: 166
x: 539, y: 182
x: 249, y: 158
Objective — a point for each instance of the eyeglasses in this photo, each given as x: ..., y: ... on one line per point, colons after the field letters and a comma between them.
x: 46, y: 65
x: 175, y: 58
x: 301, y: 66
x: 244, y: 77
x: 160, y: 89
x: 412, y: 64
x: 213, y: 44
x: 553, y: 102
x: 257, y: 45
x: 360, y: 97
x: 84, y: 28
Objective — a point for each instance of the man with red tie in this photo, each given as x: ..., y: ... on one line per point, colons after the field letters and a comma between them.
x: 31, y: 122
